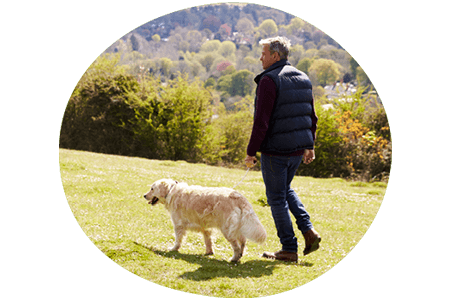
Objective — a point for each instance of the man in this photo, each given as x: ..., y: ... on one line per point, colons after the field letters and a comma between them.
x: 284, y: 132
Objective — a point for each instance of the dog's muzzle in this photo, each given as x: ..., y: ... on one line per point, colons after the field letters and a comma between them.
x: 153, y: 201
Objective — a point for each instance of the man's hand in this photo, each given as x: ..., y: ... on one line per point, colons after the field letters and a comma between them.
x: 250, y: 161
x: 309, y: 156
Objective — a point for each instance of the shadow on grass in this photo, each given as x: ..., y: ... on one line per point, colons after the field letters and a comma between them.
x: 211, y: 267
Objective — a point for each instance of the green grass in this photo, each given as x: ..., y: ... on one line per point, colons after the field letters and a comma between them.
x: 105, y: 194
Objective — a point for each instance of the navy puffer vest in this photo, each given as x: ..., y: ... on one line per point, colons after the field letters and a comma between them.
x: 290, y: 124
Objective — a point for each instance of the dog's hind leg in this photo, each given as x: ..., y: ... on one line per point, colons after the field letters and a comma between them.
x: 208, y: 242
x: 230, y: 235
x: 242, y: 240
x: 237, y: 250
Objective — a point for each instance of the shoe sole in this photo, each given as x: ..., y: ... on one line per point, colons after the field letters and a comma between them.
x: 266, y: 255
x: 314, y: 246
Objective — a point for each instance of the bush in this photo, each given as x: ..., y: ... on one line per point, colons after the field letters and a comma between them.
x: 112, y: 112
x: 353, y: 140
x: 171, y: 120
x: 98, y: 110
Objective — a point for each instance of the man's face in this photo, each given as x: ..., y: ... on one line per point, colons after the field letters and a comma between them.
x: 267, y: 58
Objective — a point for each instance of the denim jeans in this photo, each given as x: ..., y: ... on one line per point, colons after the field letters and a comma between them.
x: 278, y: 172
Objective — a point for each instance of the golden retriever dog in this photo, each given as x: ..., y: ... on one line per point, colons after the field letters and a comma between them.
x: 201, y: 209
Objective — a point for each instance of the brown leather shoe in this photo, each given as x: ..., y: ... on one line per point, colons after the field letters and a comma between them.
x: 312, y: 240
x: 282, y: 255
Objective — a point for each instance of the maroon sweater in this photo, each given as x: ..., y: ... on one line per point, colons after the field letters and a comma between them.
x: 266, y: 95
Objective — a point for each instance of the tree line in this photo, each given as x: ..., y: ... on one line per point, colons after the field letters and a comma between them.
x: 200, y: 41
x: 115, y: 111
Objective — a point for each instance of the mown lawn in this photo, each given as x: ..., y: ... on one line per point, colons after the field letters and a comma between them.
x: 105, y: 194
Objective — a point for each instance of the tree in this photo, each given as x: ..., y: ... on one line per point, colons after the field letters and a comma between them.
x: 362, y: 77
x: 210, y: 46
x: 227, y: 49
x: 305, y: 64
x: 98, y: 115
x: 268, y: 28
x: 210, y: 82
x: 324, y: 71
x: 241, y: 83
x: 195, y: 39
x: 156, y: 38
x: 134, y: 43
x: 295, y: 26
x: 224, y: 84
x: 212, y: 23
x: 244, y: 26
x: 207, y: 60
x: 236, y: 84
x: 221, y: 67
x: 166, y: 65
x: 182, y: 117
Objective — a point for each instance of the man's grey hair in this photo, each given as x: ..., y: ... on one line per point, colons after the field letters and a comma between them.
x: 277, y: 44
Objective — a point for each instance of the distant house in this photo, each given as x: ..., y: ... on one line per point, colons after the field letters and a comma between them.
x: 339, y: 89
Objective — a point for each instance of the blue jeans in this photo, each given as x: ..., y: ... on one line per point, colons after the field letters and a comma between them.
x: 278, y: 172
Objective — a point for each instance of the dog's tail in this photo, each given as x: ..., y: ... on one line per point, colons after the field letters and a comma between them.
x: 252, y: 228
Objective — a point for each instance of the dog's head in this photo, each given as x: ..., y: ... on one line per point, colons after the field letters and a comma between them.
x: 159, y: 191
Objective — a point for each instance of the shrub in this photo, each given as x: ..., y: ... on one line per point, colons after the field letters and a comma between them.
x: 353, y: 140
x: 98, y: 110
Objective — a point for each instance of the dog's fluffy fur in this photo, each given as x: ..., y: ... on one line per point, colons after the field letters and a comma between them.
x: 201, y: 209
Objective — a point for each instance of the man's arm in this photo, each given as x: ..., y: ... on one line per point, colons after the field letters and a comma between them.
x: 309, y: 154
x: 265, y: 95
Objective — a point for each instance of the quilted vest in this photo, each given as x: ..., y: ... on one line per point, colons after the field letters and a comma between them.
x: 290, y: 123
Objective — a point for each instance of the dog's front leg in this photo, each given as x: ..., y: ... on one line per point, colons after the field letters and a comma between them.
x: 179, y: 234
x: 180, y: 231
x: 208, y: 242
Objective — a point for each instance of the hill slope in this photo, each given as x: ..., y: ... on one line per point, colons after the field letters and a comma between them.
x: 105, y: 195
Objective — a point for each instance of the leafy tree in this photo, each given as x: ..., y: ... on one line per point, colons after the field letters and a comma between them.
x: 227, y: 49
x: 305, y: 64
x: 244, y: 26
x: 362, y: 77
x: 210, y: 46
x: 324, y: 71
x: 156, y: 38
x: 210, y: 82
x: 166, y: 65
x: 98, y: 114
x: 268, y: 28
x: 241, y: 83
x: 207, y: 60
x: 221, y: 67
x: 224, y: 84
x: 212, y: 23
x: 183, y: 115
x: 134, y: 43
x: 232, y: 129
x: 295, y: 26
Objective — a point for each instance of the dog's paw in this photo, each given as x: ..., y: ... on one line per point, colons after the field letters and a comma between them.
x: 236, y: 258
x: 209, y: 253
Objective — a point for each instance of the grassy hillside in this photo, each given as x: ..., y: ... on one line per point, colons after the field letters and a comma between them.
x: 105, y: 194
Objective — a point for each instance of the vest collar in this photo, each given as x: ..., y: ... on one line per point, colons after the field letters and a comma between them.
x: 278, y: 64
